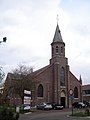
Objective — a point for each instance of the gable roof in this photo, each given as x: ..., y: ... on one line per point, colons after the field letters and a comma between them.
x: 73, y: 78
x: 40, y: 71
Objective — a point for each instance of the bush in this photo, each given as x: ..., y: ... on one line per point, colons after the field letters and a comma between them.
x: 81, y: 112
x: 8, y: 114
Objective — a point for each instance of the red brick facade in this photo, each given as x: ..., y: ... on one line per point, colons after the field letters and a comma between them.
x: 50, y: 77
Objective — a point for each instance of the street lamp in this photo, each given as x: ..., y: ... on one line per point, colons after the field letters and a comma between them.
x: 4, y: 39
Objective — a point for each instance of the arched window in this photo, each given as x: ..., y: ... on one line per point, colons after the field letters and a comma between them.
x: 61, y: 49
x: 40, y: 91
x: 56, y: 49
x: 62, y: 77
x: 75, y: 92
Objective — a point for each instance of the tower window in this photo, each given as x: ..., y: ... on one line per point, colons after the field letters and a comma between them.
x: 61, y: 49
x: 62, y: 77
x: 40, y: 91
x: 56, y: 49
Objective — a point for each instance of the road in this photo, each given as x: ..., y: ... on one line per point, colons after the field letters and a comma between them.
x: 51, y: 115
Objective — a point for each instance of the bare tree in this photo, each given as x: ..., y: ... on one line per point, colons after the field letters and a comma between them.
x: 22, y: 78
x: 2, y: 74
x: 25, y: 79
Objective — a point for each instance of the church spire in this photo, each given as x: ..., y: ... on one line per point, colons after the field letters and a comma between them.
x: 57, y: 36
x: 58, y: 46
x: 80, y: 79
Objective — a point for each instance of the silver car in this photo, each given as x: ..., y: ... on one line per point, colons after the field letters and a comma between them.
x: 44, y: 106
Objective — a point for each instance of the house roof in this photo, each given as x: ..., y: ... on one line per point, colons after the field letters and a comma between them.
x: 86, y: 87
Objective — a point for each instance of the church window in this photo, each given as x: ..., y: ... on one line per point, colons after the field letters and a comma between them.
x: 62, y: 77
x: 40, y: 91
x: 61, y: 49
x: 56, y: 49
x: 75, y: 92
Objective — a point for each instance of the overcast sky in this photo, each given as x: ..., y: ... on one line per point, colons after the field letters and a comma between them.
x: 29, y: 26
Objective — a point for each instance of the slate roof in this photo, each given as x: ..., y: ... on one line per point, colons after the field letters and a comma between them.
x: 57, y: 36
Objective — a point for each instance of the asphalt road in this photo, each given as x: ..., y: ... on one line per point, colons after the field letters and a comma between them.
x: 51, y: 115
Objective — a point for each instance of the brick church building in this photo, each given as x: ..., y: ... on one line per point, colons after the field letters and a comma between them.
x: 55, y: 80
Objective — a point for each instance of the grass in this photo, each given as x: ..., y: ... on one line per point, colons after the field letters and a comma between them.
x: 81, y: 112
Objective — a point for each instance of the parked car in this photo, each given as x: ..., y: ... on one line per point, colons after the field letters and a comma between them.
x: 87, y: 104
x: 81, y: 105
x: 57, y: 106
x: 78, y: 105
x: 48, y: 106
x: 40, y: 106
x: 44, y: 106
x: 26, y: 107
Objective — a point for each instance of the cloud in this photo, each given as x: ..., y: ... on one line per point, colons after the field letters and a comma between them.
x: 29, y: 26
x: 23, y: 24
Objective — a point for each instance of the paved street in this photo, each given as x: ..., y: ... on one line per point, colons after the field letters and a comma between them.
x: 51, y: 115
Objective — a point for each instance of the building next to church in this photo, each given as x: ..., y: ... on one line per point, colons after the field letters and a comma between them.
x: 55, y: 80
x: 86, y: 92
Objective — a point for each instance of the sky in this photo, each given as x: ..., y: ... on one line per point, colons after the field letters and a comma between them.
x: 29, y: 26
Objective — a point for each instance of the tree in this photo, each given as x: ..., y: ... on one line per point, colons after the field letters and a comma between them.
x: 2, y: 75
x: 24, y: 79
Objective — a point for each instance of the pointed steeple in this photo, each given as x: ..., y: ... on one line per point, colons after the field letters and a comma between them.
x: 57, y: 36
x: 58, y: 46
x: 80, y: 79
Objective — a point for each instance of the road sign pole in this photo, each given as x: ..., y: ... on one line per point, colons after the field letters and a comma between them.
x: 72, y: 106
x: 71, y: 92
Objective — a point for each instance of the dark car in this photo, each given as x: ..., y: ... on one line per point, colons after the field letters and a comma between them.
x: 78, y: 105
x: 87, y: 104
x: 57, y: 106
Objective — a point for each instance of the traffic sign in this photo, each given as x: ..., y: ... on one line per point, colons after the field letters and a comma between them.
x: 71, y: 92
x: 71, y: 97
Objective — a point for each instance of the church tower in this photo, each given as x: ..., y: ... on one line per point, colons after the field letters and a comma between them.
x: 60, y: 69
x: 58, y: 46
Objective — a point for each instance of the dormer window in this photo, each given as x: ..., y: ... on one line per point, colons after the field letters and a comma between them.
x: 56, y: 49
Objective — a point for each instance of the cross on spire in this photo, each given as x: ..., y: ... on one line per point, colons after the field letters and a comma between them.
x: 57, y: 19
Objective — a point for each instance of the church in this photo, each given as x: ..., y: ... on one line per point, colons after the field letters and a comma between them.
x: 56, y: 83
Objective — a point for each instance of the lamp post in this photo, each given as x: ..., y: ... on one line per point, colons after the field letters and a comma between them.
x: 4, y: 40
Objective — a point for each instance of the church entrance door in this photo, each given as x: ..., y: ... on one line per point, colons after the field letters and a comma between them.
x: 63, y: 98
x: 63, y: 101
